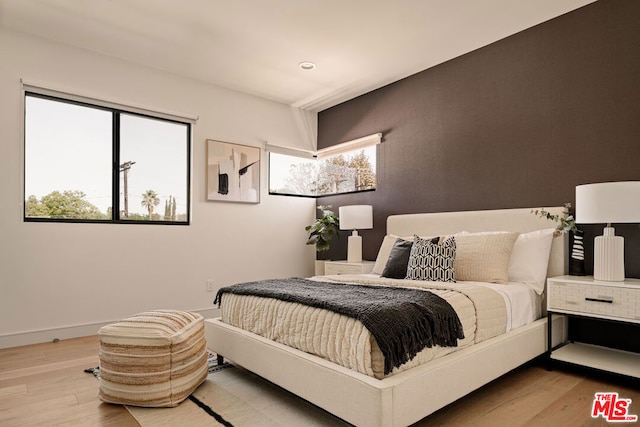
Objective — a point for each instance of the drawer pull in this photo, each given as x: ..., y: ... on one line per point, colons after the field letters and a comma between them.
x: 601, y: 299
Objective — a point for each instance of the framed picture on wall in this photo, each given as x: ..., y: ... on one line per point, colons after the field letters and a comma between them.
x: 233, y: 172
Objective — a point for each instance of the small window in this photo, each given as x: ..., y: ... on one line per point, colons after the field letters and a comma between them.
x: 292, y: 175
x: 91, y: 163
x: 336, y: 172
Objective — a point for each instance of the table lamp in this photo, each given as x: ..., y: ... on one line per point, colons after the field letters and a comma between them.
x: 355, y: 217
x: 608, y: 202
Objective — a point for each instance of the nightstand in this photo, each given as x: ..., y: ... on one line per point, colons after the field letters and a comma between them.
x: 344, y: 267
x: 582, y: 296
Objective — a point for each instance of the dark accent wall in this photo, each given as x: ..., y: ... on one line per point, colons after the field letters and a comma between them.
x: 518, y: 123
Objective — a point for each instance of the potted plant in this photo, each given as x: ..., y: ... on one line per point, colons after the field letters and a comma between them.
x: 321, y: 232
x: 565, y: 221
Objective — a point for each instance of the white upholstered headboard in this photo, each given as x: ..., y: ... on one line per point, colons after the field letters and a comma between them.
x: 521, y: 220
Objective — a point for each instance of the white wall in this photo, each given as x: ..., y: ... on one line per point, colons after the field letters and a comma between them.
x: 65, y: 280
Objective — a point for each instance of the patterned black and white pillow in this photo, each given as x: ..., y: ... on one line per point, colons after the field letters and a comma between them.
x: 432, y: 261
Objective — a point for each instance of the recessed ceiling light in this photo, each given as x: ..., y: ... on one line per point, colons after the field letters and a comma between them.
x: 307, y: 65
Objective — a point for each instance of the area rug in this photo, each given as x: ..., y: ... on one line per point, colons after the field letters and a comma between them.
x: 233, y: 396
x: 207, y: 406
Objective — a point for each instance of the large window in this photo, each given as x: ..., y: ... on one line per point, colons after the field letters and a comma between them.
x: 346, y: 168
x: 94, y: 163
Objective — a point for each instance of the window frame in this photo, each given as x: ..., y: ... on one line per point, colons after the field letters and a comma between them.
x: 349, y: 147
x: 116, y: 110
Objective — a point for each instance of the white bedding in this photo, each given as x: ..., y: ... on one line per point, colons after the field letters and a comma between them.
x: 523, y: 303
x: 484, y: 312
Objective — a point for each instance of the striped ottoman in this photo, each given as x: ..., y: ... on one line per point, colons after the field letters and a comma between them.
x: 153, y: 359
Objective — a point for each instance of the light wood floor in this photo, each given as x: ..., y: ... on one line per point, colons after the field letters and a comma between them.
x: 44, y: 384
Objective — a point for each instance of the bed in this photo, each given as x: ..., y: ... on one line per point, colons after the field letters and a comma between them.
x: 405, y: 395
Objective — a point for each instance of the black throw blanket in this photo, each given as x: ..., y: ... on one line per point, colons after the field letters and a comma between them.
x: 403, y: 321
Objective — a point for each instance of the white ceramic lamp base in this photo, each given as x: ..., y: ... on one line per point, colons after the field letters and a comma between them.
x: 354, y: 248
x: 608, y: 257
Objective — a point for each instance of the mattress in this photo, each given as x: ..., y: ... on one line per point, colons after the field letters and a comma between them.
x: 485, y: 311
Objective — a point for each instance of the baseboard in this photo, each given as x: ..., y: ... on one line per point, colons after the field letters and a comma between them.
x: 16, y: 339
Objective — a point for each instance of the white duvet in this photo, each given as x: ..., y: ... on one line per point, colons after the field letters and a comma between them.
x: 484, y: 311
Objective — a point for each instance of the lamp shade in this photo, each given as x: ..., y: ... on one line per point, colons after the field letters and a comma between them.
x: 356, y: 217
x: 608, y: 202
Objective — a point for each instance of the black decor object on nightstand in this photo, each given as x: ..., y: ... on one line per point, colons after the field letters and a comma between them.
x: 576, y: 256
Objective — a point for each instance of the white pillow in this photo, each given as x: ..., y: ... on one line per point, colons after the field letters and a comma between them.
x: 530, y: 259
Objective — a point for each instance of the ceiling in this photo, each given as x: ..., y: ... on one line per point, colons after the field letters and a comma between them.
x: 255, y: 46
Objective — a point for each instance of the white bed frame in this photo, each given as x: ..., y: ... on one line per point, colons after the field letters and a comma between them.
x: 409, y: 396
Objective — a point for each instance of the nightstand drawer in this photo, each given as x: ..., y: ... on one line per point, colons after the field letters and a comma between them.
x: 343, y: 267
x: 592, y: 299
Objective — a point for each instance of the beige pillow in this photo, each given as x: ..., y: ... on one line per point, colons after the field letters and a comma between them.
x: 484, y: 257
x: 383, y: 253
